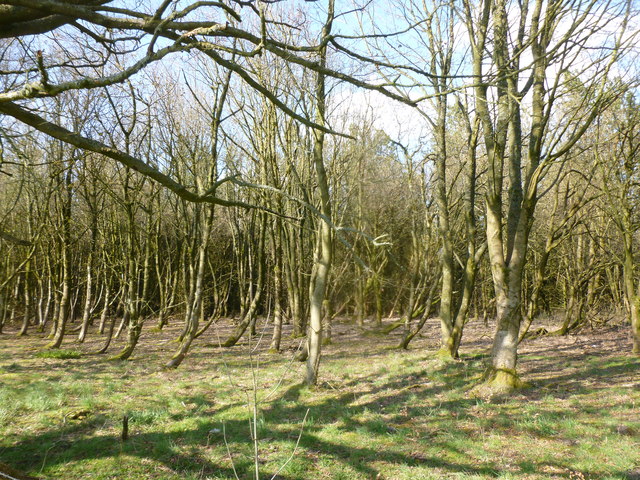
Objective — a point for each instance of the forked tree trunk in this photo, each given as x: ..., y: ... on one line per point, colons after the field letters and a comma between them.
x: 452, y: 324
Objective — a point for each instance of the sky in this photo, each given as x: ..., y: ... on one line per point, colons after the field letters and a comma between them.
x: 401, y: 122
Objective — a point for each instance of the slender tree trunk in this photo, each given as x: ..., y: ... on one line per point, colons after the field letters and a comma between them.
x: 3, y: 310
x: 251, y: 309
x: 107, y: 342
x: 193, y: 320
x: 65, y: 298
x: 56, y: 313
x: 105, y: 306
x: 47, y: 306
x: 64, y: 303
x: 323, y: 259
x: 633, y: 294
x: 412, y: 333
x: 377, y: 290
x: 27, y: 303
x: 86, y: 312
x: 132, y: 301
x: 277, y: 292
x: 327, y: 322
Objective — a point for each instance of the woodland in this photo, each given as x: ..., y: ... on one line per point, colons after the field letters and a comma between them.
x: 319, y: 239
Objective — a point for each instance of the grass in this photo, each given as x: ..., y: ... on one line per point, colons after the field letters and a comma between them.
x: 59, y: 354
x: 378, y: 413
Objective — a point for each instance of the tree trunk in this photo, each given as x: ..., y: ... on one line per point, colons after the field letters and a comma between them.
x: 251, y: 310
x: 63, y: 307
x: 193, y: 320
x: 411, y: 334
x: 276, y: 338
x: 27, y: 303
x: 323, y: 258
x: 65, y: 298
x: 86, y: 311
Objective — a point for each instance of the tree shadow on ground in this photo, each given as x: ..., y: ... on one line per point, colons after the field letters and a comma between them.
x: 403, y: 399
x: 282, y: 417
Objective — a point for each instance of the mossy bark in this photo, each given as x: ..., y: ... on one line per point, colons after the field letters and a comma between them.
x: 504, y: 380
x: 135, y: 328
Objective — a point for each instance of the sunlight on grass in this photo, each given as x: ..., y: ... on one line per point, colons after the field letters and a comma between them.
x: 399, y: 416
x: 59, y: 354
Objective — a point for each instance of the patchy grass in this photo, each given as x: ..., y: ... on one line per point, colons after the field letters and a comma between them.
x: 59, y: 354
x: 379, y: 413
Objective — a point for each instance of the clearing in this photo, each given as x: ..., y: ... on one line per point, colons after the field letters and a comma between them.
x: 379, y: 413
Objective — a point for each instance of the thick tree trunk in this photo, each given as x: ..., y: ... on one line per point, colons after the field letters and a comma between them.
x: 504, y: 354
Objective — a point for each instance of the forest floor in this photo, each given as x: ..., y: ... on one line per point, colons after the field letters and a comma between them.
x: 378, y: 413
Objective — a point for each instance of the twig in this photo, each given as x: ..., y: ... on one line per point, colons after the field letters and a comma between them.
x: 295, y: 449
x: 226, y: 444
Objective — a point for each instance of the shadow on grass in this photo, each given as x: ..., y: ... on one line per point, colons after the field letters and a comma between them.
x: 589, y: 377
x: 282, y: 417
x: 79, y: 442
x: 404, y: 399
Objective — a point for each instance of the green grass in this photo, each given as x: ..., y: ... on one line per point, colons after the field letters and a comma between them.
x: 378, y: 413
x: 59, y: 354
